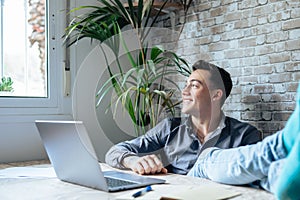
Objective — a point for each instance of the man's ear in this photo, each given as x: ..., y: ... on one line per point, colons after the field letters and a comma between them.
x: 218, y: 94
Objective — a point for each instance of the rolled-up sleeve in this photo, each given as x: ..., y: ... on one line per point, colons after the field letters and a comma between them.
x: 116, y: 154
x: 149, y: 143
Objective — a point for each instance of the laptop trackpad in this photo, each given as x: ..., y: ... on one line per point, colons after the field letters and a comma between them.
x: 132, y: 177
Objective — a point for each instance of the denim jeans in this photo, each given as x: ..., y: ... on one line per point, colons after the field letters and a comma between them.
x: 262, y: 161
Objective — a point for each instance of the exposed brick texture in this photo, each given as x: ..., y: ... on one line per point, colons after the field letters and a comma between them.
x: 258, y: 42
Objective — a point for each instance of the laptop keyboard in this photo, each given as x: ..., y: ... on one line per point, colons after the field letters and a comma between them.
x: 112, y: 182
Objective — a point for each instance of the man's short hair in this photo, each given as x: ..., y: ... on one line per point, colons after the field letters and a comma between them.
x: 216, y: 72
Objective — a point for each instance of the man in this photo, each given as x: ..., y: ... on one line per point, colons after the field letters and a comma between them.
x: 274, y: 162
x: 175, y: 143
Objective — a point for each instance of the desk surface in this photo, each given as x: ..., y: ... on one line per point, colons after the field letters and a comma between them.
x: 23, y: 187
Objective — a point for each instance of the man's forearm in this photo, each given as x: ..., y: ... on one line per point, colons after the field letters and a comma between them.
x: 115, y: 156
x: 128, y: 160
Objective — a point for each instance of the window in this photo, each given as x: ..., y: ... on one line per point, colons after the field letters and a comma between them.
x: 19, y: 137
x: 32, y: 54
x: 22, y: 54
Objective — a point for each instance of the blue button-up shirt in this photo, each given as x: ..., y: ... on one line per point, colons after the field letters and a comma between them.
x: 176, y: 143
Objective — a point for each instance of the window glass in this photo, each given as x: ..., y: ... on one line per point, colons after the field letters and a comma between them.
x: 23, y: 53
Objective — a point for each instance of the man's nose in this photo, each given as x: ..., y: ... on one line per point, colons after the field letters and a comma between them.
x: 186, y: 89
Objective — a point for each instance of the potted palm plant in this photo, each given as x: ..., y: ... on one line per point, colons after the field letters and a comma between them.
x: 140, y: 88
x: 6, y: 86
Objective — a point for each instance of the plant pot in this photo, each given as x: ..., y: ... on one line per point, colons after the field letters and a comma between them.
x: 5, y: 93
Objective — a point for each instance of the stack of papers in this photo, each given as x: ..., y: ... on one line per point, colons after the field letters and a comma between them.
x: 188, y: 192
x: 27, y: 172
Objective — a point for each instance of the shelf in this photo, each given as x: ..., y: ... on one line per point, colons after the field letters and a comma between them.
x: 169, y: 7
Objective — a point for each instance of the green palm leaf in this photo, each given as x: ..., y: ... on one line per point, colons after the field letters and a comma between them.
x: 139, y: 89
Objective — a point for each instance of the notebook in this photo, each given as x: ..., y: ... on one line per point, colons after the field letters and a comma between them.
x: 74, y: 160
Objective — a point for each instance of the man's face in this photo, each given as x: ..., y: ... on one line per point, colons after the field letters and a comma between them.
x: 196, y: 94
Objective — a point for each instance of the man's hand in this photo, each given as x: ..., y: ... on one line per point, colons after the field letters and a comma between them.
x: 149, y: 164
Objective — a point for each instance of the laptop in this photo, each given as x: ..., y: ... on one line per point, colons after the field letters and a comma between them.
x: 74, y: 160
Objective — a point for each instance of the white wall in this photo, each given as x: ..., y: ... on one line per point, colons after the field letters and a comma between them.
x: 104, y: 128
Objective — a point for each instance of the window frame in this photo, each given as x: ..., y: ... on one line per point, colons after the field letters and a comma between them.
x: 56, y: 51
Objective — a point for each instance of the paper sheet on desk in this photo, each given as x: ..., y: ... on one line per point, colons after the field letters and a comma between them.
x: 27, y: 172
x: 177, y: 192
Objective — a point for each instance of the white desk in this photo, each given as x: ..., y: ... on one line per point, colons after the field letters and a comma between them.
x: 38, y: 186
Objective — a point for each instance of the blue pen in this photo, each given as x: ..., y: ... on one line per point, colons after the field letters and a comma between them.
x: 142, y: 192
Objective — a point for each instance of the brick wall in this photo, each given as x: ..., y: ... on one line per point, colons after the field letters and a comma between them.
x: 258, y: 42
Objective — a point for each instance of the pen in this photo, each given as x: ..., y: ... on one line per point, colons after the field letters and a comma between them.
x: 143, y: 191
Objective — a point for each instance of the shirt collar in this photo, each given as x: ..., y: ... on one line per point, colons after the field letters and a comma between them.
x: 218, y: 130
x: 188, y: 122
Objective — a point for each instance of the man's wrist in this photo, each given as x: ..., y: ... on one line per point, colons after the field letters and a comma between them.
x: 127, y: 160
